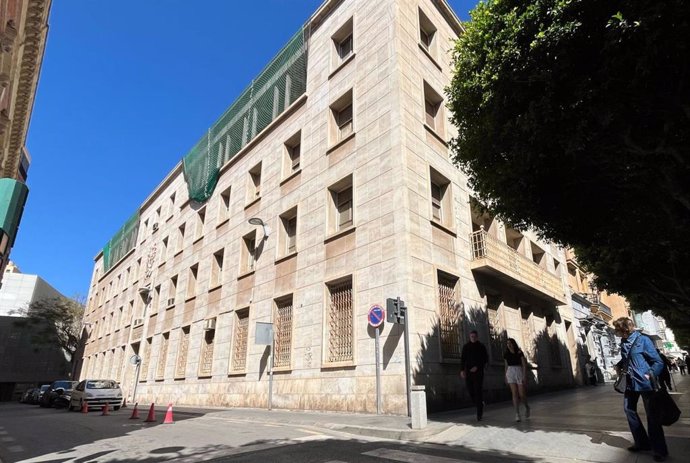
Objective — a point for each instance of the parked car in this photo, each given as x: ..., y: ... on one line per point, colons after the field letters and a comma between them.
x: 96, y: 393
x: 26, y: 395
x: 37, y: 394
x: 56, y: 389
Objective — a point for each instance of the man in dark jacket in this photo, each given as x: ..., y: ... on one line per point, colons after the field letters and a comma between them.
x: 472, y: 362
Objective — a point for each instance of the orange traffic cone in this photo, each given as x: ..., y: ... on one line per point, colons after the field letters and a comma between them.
x: 105, y: 410
x: 135, y: 412
x: 169, y: 416
x: 85, y: 407
x: 151, y: 418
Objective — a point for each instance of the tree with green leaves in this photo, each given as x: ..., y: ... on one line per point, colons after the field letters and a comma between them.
x: 574, y: 120
x: 55, y: 321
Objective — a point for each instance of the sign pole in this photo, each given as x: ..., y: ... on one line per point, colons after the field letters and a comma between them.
x: 407, y: 360
x: 270, y: 377
x: 378, y: 372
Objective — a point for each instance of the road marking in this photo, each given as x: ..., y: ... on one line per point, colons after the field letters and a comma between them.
x: 15, y: 448
x: 7, y: 439
x: 311, y: 438
x: 410, y: 457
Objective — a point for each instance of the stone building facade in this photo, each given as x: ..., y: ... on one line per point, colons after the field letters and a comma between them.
x: 354, y: 200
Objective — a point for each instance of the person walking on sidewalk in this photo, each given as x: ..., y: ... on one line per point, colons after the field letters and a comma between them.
x: 639, y: 359
x: 591, y: 370
x: 516, y: 376
x: 665, y: 376
x: 473, y: 359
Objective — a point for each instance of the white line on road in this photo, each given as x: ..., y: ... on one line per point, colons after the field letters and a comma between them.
x: 410, y: 457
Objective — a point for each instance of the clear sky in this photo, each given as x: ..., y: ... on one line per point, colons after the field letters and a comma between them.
x: 126, y: 88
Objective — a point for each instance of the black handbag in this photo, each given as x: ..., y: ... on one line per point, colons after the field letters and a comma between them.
x: 621, y: 383
x: 664, y: 407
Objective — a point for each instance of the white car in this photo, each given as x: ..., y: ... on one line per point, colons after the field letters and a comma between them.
x: 96, y: 393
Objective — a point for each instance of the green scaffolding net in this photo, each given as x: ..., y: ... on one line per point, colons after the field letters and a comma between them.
x: 281, y: 82
x: 279, y: 85
x: 124, y: 241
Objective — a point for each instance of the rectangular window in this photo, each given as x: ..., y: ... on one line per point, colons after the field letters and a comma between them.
x: 172, y: 291
x: 538, y: 255
x: 144, y: 367
x: 293, y: 148
x: 171, y: 205
x: 339, y: 317
x: 287, y: 241
x: 164, y: 249
x: 200, y: 221
x: 206, y: 360
x: 181, y: 365
x: 156, y: 301
x: 248, y: 252
x: 239, y: 346
x: 433, y: 109
x: 224, y: 206
x: 217, y: 268
x: 427, y: 34
x: 341, y: 215
x: 345, y: 47
x: 180, y: 239
x: 254, y: 188
x: 451, y: 316
x: 342, y: 118
x: 441, y: 203
x: 497, y: 335
x: 343, y: 44
x: 191, y: 280
x: 162, y: 356
x: 283, y: 332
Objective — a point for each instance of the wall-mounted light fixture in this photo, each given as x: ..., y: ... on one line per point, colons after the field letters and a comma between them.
x: 258, y: 221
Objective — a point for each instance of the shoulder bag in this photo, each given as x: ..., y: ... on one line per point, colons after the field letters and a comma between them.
x: 621, y: 383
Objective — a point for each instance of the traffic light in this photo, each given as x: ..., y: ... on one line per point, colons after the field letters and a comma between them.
x: 396, y: 311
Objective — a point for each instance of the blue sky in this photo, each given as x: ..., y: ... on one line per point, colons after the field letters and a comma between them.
x: 126, y: 88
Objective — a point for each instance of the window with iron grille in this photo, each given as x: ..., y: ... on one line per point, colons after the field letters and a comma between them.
x: 497, y: 338
x: 451, y: 317
x: 162, y: 356
x: 283, y: 332
x: 144, y: 367
x: 554, y: 343
x: 239, y: 346
x: 181, y: 365
x: 340, y: 332
x: 206, y: 361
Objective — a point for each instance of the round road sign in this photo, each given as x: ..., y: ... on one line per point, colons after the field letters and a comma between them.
x: 376, y: 315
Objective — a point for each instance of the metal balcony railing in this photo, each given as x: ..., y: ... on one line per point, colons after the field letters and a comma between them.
x: 487, y: 251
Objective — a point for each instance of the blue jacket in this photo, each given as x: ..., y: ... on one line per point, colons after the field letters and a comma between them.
x: 641, y: 360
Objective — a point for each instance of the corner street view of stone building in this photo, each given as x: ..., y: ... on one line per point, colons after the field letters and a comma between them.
x: 351, y: 224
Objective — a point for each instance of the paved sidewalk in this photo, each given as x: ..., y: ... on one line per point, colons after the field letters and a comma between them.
x: 585, y: 424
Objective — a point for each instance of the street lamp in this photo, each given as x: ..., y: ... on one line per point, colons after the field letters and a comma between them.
x: 258, y: 221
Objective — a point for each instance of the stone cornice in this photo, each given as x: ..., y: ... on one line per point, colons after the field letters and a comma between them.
x: 29, y: 64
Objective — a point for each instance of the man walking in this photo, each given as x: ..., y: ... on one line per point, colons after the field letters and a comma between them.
x: 472, y: 362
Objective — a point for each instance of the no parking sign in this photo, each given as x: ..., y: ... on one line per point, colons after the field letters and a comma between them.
x: 376, y: 316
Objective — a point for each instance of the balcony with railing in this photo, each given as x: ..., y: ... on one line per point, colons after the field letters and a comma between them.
x: 493, y: 257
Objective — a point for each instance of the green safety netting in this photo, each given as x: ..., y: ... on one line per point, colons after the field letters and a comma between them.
x: 281, y: 82
x: 120, y: 244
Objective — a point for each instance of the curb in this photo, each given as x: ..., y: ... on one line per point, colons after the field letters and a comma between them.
x: 395, y: 434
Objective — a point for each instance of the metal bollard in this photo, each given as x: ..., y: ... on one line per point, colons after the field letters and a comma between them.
x: 418, y: 407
